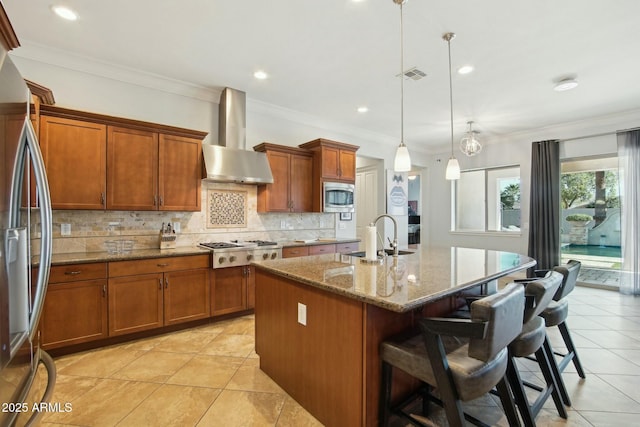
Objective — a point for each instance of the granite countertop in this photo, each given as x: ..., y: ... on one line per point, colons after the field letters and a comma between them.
x: 84, y: 257
x: 319, y: 241
x: 403, y: 283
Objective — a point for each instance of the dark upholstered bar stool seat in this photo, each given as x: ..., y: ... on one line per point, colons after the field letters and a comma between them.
x: 533, y: 341
x: 472, y: 377
x: 463, y: 358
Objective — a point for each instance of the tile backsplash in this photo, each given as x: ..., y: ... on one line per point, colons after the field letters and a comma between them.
x: 90, y: 229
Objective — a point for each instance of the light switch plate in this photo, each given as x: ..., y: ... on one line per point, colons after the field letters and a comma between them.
x: 302, y: 314
x: 176, y: 227
x: 65, y: 229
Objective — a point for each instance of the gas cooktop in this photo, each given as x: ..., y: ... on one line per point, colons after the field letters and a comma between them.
x: 238, y: 244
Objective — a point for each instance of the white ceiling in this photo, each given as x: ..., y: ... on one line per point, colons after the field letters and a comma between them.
x: 327, y: 57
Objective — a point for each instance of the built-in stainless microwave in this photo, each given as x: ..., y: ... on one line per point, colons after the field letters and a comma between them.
x: 338, y: 197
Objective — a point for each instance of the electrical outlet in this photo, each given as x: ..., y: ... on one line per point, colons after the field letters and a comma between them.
x: 302, y: 314
x: 342, y: 226
x: 65, y: 229
x: 176, y: 227
x: 283, y: 224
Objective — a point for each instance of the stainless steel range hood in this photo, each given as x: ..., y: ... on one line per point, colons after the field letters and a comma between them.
x: 230, y: 161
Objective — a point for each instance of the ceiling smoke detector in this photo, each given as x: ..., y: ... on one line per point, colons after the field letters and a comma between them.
x: 565, y: 84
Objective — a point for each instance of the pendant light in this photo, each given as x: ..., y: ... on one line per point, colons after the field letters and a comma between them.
x: 402, y: 161
x: 453, y: 167
x: 470, y: 145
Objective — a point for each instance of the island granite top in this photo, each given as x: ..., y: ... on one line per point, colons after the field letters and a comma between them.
x: 403, y: 283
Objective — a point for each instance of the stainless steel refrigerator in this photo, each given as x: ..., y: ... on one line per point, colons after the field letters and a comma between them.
x: 25, y: 254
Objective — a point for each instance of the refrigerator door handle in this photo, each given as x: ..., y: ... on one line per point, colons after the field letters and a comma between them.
x: 46, y: 227
x: 29, y: 146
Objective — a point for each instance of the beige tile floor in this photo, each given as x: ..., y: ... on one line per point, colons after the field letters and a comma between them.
x: 209, y: 376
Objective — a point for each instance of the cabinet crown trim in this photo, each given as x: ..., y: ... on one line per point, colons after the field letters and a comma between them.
x: 321, y: 142
x: 54, y: 111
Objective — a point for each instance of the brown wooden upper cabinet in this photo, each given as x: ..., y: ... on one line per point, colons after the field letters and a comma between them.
x: 166, y: 170
x: 292, y: 170
x: 102, y: 162
x: 333, y: 161
x: 74, y: 153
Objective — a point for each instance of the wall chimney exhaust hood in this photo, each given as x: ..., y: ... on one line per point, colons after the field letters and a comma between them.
x: 230, y: 161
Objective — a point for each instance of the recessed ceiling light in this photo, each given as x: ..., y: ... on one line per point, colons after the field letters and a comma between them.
x: 465, y: 69
x: 363, y: 109
x: 65, y: 13
x: 565, y: 84
x: 260, y: 75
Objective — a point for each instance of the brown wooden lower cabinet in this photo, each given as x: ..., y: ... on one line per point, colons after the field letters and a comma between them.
x: 75, y: 307
x: 135, y: 303
x: 186, y: 296
x: 295, y: 251
x: 233, y: 290
x: 157, y: 292
x: 322, y: 249
x: 343, y: 248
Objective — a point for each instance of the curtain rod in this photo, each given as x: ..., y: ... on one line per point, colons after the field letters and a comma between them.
x: 599, y: 134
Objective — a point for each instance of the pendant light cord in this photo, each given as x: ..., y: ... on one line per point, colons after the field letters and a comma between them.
x: 449, y: 36
x: 401, y: 77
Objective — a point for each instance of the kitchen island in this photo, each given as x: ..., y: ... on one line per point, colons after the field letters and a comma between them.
x: 320, y: 320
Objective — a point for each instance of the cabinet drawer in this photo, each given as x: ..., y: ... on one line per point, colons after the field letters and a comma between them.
x: 347, y: 247
x: 295, y: 251
x: 75, y: 272
x: 158, y: 265
x: 322, y: 249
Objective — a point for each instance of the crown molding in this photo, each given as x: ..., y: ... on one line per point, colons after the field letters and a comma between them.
x: 8, y: 36
x: 64, y: 59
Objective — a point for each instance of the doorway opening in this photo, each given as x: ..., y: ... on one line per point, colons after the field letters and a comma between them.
x: 590, y: 226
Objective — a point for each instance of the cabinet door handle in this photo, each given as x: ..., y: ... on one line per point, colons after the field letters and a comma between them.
x: 104, y: 291
x: 163, y: 265
x: 155, y: 200
x: 161, y: 201
x: 159, y: 283
x: 102, y: 199
x: 166, y: 282
x: 73, y: 273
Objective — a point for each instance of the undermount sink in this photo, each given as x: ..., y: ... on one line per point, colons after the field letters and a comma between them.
x: 387, y: 251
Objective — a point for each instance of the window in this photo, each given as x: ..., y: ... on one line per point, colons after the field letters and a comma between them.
x: 488, y: 200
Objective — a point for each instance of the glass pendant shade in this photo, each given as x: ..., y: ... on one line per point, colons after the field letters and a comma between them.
x: 453, y: 169
x: 470, y: 145
x: 402, y: 162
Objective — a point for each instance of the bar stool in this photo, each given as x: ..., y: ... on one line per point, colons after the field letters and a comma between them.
x: 558, y: 310
x: 460, y: 371
x: 533, y: 340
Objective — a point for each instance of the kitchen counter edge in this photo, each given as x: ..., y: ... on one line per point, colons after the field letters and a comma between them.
x: 86, y: 257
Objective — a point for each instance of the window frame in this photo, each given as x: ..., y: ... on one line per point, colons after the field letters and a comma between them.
x: 486, y: 231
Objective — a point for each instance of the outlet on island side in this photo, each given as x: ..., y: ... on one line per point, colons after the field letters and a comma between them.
x: 302, y: 314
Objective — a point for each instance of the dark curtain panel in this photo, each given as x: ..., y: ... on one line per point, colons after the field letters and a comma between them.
x: 544, y: 207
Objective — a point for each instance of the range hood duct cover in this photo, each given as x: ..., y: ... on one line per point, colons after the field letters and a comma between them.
x: 230, y: 161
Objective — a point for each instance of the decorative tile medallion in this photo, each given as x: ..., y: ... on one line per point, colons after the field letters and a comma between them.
x: 226, y: 208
